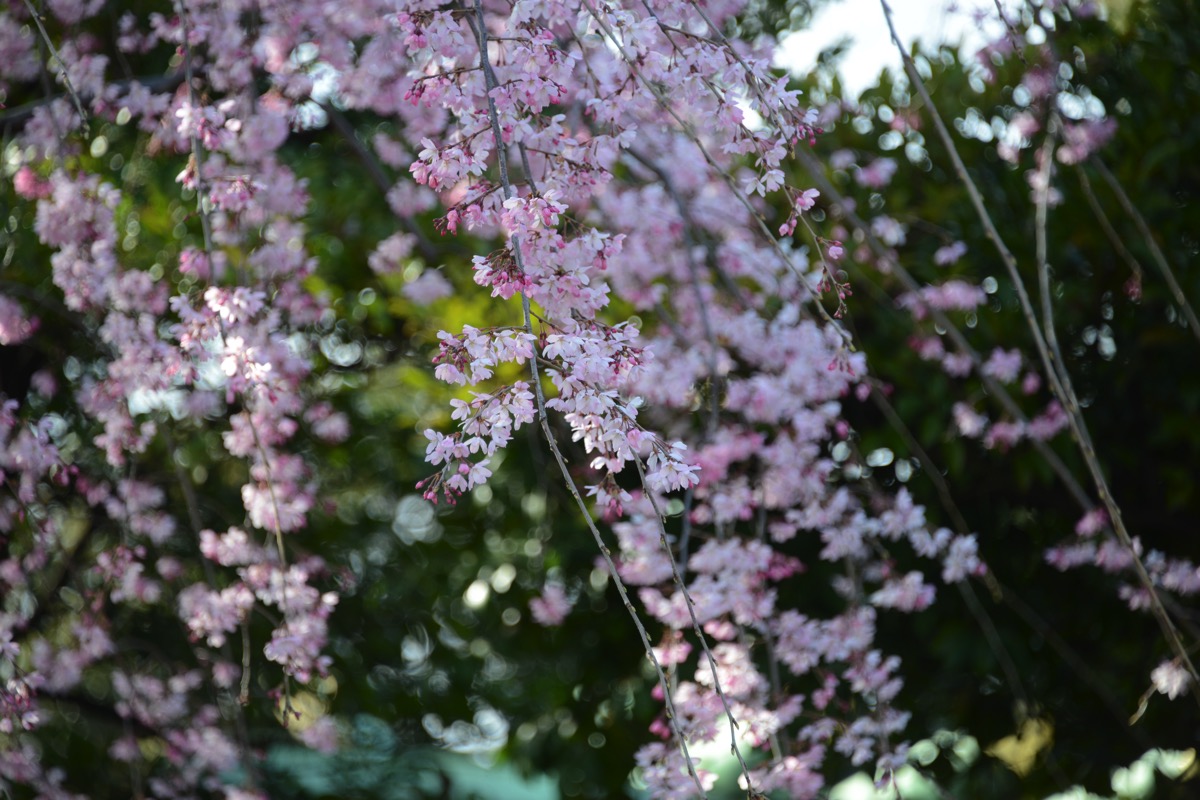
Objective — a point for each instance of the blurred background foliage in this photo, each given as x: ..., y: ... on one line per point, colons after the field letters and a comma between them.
x: 438, y: 668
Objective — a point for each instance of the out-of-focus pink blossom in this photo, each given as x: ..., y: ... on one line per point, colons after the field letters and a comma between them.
x: 550, y: 609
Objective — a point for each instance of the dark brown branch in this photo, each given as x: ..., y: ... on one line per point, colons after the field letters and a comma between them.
x: 1156, y: 252
x: 15, y: 118
x: 379, y: 177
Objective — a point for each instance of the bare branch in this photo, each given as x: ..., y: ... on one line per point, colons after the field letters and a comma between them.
x: 1156, y: 252
x: 379, y: 177
x: 37, y: 19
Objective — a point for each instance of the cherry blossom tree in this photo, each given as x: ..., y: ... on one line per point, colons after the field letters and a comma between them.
x: 662, y: 273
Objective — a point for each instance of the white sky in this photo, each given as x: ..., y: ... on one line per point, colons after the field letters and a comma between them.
x: 872, y: 48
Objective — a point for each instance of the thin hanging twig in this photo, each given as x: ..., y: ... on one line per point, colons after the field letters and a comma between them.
x: 1106, y: 225
x: 691, y: 608
x: 380, y: 177
x: 1156, y: 252
x: 502, y: 159
x: 37, y: 20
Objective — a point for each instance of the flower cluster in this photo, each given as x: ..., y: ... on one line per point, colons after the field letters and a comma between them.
x: 216, y: 335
